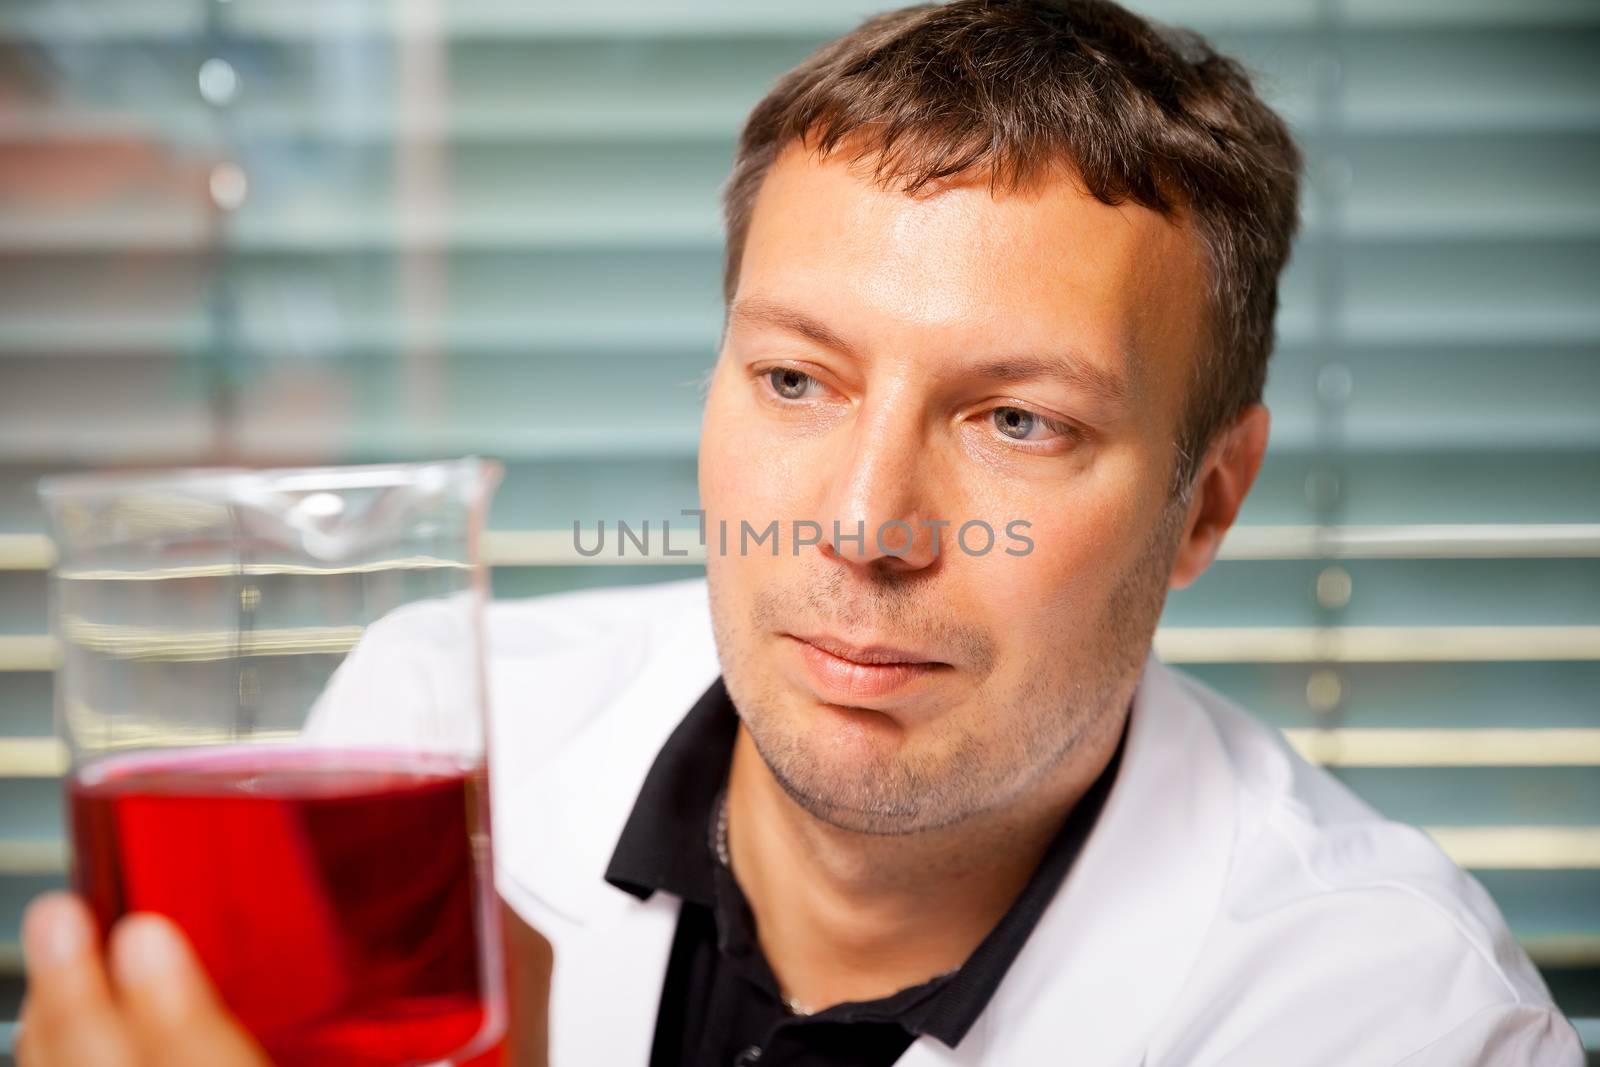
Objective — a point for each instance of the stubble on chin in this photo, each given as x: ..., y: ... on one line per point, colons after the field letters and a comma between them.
x: 952, y: 773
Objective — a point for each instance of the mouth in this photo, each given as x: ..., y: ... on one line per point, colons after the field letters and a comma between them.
x: 846, y: 673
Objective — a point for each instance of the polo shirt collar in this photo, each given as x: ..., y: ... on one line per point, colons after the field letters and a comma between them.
x: 665, y: 846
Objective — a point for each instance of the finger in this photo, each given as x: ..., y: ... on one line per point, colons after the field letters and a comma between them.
x: 176, y: 1016
x: 70, y: 1017
x: 19, y: 1036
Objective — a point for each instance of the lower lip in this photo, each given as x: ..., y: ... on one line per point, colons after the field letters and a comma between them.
x: 848, y: 679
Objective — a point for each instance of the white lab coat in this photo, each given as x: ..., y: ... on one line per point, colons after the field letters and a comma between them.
x: 1233, y: 904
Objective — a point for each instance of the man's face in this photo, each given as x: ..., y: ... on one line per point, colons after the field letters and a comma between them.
x: 962, y: 355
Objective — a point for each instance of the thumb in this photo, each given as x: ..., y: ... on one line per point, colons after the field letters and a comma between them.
x: 174, y: 1012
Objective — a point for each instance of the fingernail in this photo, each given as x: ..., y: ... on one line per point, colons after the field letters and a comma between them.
x: 145, y: 948
x: 54, y: 932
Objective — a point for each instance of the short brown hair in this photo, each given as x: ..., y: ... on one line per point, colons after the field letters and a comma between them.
x: 1012, y: 88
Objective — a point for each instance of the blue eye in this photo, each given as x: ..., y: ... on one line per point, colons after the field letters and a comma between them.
x: 788, y: 382
x: 1015, y: 422
x: 1019, y: 424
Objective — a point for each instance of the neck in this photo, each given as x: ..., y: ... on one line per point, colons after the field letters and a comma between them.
x: 845, y: 916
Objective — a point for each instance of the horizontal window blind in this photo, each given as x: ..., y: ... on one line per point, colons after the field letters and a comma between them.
x: 343, y: 230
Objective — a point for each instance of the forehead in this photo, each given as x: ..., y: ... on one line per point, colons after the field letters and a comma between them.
x: 1041, y: 265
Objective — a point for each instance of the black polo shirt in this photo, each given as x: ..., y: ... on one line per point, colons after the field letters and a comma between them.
x: 720, y: 1004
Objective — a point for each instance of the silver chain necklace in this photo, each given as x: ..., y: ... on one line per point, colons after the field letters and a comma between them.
x: 790, y: 1005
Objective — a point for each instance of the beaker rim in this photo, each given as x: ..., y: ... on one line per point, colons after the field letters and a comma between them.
x: 225, y: 480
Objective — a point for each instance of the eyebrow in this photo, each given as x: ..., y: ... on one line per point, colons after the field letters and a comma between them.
x: 1076, y: 372
x: 755, y: 311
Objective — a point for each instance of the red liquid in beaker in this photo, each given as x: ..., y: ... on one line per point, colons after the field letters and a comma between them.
x: 333, y: 896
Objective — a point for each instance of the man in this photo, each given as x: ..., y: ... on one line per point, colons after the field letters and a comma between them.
x: 912, y: 792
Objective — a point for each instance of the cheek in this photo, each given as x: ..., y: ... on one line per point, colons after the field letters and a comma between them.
x: 724, y: 468
x: 1060, y: 586
x: 745, y: 472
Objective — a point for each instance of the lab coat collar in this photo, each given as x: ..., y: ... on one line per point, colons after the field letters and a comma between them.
x: 1118, y: 942
x: 1108, y: 957
x: 570, y: 813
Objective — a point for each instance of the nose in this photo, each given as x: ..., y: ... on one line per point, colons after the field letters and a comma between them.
x: 876, y: 510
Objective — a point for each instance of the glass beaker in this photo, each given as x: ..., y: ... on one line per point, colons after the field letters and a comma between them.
x: 272, y: 690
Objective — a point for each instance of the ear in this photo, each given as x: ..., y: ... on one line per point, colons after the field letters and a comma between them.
x: 1221, y: 483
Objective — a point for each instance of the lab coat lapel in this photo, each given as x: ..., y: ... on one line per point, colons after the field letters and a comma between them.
x: 607, y: 984
x: 610, y: 948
